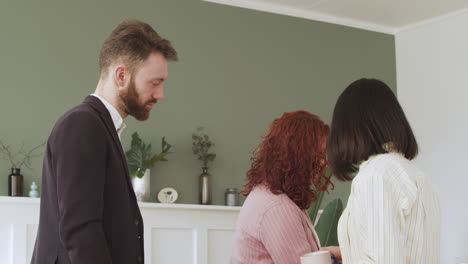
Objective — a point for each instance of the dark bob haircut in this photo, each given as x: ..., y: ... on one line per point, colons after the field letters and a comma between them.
x: 367, y: 115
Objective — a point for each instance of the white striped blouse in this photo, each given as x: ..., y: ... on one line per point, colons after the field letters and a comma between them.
x: 392, y: 215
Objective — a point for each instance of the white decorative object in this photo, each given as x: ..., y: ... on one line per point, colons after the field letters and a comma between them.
x: 174, y: 233
x: 33, y: 192
x: 142, y: 185
x: 167, y: 195
x: 318, y: 257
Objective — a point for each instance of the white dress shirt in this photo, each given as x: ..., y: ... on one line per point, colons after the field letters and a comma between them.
x: 392, y: 216
x: 116, y: 118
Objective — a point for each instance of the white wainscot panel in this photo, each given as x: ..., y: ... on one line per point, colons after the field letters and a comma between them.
x: 31, y: 232
x: 173, y: 245
x: 5, y: 242
x: 219, y: 245
x: 174, y: 233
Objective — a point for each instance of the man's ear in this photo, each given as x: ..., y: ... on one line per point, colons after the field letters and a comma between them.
x: 121, y: 75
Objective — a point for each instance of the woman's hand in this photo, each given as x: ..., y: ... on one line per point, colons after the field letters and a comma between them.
x: 333, y: 250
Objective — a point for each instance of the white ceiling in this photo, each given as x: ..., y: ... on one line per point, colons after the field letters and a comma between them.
x: 387, y: 16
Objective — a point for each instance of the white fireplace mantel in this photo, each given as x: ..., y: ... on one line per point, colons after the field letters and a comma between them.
x: 174, y: 233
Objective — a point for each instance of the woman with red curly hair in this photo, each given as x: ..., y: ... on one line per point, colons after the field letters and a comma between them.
x: 273, y: 226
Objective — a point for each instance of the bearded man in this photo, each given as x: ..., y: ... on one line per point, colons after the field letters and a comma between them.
x: 89, y: 213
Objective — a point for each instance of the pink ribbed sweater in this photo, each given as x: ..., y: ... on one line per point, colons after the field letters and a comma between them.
x: 272, y: 229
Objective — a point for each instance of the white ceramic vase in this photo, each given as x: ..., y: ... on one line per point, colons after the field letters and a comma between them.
x: 142, y: 185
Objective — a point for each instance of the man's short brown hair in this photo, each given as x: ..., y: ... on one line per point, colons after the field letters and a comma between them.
x: 131, y: 42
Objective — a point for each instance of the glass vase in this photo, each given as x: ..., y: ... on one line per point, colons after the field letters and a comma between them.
x: 15, y: 183
x: 204, y: 184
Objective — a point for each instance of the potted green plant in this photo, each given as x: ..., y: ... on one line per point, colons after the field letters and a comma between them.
x: 140, y: 160
x: 22, y: 157
x: 326, y: 221
x: 201, y: 148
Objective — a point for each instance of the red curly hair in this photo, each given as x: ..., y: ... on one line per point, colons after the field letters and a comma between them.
x: 291, y: 158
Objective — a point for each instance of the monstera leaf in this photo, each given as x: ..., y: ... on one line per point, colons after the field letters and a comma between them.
x: 315, y: 207
x: 328, y: 223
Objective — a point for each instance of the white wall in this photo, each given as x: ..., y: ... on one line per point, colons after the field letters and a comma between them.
x: 432, y: 77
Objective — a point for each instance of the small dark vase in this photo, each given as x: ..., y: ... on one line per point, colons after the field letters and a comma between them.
x: 15, y: 183
x: 204, y: 185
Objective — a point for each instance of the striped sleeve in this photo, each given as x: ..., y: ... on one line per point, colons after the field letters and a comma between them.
x: 283, y: 236
x: 392, y: 216
x: 381, y: 226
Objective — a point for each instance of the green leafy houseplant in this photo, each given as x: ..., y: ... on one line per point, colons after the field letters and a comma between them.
x: 140, y: 158
x: 326, y: 226
x: 201, y: 147
x: 315, y: 207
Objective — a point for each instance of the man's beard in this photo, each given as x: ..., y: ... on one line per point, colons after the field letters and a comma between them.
x: 131, y: 105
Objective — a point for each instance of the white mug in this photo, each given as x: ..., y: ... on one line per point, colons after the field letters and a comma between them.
x: 318, y: 257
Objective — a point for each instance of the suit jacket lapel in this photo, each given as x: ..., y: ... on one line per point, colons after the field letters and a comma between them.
x: 107, y: 119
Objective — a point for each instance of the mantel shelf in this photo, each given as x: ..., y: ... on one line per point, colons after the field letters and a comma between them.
x: 28, y: 200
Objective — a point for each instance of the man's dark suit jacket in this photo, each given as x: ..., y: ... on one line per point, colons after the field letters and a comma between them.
x: 89, y: 213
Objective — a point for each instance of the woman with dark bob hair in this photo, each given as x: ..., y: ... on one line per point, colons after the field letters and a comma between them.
x: 273, y: 226
x: 393, y: 211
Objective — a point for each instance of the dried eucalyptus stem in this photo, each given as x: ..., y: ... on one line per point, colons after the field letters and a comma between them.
x: 7, y: 154
x: 22, y: 157
x: 29, y: 155
x: 201, y: 146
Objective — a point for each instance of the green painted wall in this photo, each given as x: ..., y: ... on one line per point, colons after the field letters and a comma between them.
x: 239, y: 69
